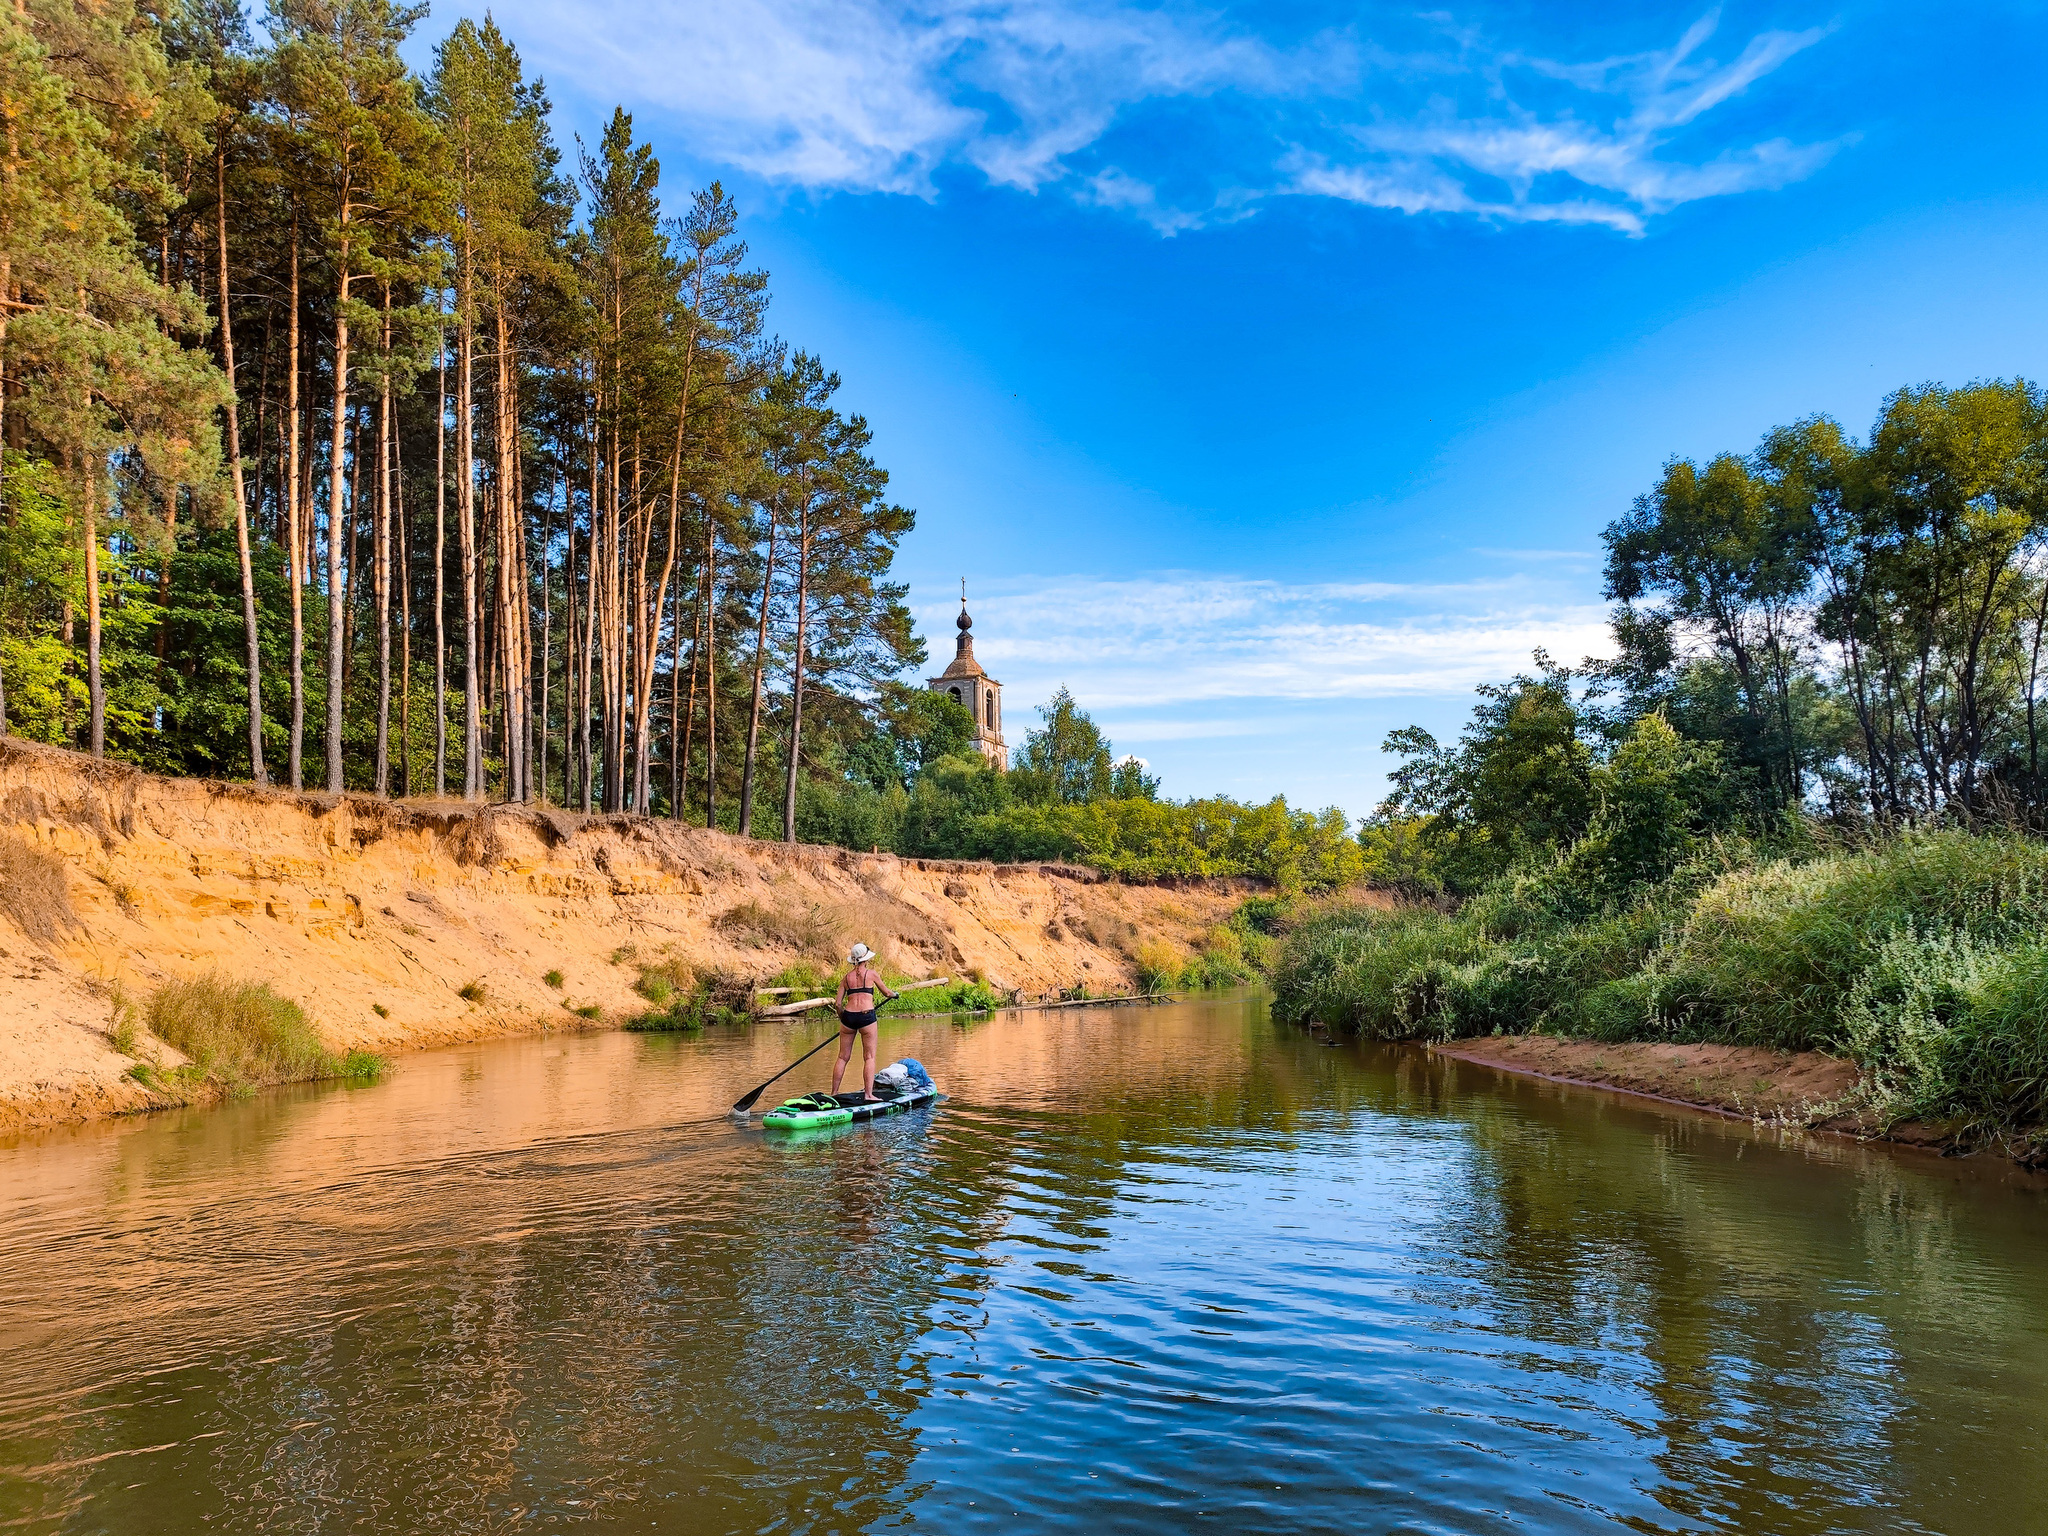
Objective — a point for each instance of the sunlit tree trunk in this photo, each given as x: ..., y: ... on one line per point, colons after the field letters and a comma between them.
x: 250, y: 635
x: 89, y: 508
x: 299, y: 549
x: 465, y: 516
x: 760, y: 674
x: 381, y: 573
x: 337, y: 478
x: 796, y: 671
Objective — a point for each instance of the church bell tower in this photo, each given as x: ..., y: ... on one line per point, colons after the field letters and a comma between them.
x: 977, y: 692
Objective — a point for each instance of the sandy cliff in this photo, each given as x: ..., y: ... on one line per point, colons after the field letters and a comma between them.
x: 349, y: 904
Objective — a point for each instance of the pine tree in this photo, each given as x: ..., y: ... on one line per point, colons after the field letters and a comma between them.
x: 373, y: 152
x: 511, y: 213
x: 93, y: 358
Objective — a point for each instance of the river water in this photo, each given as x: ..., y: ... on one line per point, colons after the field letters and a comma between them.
x: 1162, y: 1269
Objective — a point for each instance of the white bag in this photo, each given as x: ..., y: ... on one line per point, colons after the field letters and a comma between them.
x: 894, y: 1075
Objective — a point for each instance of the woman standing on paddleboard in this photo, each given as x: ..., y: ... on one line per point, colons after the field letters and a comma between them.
x: 857, y: 989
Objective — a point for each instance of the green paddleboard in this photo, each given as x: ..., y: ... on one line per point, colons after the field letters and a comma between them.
x: 812, y: 1113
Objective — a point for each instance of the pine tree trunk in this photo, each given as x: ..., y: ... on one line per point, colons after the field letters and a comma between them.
x: 465, y: 515
x: 381, y: 582
x: 690, y: 709
x: 403, y: 533
x: 678, y: 737
x: 710, y: 674
x: 540, y: 766
x: 351, y: 571
x: 760, y: 674
x: 95, y: 687
x: 568, y: 637
x: 441, y: 567
x: 652, y: 647
x: 593, y: 599
x: 615, y: 629
x: 299, y: 551
x: 337, y: 526
x: 513, y: 640
x: 250, y: 633
x: 796, y: 677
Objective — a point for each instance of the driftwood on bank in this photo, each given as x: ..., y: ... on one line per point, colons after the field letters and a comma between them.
x: 809, y: 1003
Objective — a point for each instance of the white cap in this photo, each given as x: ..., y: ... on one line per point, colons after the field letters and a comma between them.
x: 861, y: 954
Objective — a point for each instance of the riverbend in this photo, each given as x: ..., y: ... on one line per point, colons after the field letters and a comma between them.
x: 1142, y: 1271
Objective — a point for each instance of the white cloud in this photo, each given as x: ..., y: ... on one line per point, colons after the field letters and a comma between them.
x: 1117, y: 102
x: 1174, y: 640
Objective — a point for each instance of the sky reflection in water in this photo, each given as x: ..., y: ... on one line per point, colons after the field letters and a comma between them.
x: 1144, y: 1271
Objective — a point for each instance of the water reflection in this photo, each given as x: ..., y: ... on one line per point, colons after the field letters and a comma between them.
x: 1141, y: 1271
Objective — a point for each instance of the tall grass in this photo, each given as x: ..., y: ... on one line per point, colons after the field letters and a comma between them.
x: 1924, y: 957
x: 241, y: 1035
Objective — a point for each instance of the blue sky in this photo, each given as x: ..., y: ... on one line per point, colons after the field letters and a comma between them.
x: 1270, y: 371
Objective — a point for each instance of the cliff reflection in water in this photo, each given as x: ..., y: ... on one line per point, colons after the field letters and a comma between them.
x: 1144, y: 1268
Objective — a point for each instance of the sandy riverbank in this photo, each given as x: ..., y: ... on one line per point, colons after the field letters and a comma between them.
x: 351, y: 905
x: 1800, y: 1088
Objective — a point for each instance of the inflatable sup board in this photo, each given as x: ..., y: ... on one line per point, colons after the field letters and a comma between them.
x: 815, y: 1111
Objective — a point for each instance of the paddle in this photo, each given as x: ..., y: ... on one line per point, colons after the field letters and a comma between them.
x: 747, y: 1103
x: 744, y: 1105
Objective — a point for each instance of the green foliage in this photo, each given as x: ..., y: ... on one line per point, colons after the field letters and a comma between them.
x: 1519, y: 781
x: 1920, y: 956
x: 683, y: 1001
x: 1129, y: 780
x: 806, y: 978
x: 961, y: 808
x: 1397, y: 855
x: 554, y: 979
x: 967, y: 996
x: 472, y: 991
x: 1066, y: 761
x: 241, y: 1035
x: 1158, y: 965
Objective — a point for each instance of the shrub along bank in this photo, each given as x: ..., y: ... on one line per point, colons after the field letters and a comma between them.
x: 1924, y: 957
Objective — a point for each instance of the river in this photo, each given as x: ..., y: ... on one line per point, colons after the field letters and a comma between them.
x: 1146, y: 1270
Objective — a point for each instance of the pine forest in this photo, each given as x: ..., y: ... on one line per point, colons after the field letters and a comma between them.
x: 359, y: 435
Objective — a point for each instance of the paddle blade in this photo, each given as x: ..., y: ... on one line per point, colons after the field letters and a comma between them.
x: 749, y: 1101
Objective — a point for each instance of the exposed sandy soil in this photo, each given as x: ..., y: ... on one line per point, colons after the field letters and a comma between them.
x: 1802, y: 1088
x: 1797, y: 1086
x: 345, y: 902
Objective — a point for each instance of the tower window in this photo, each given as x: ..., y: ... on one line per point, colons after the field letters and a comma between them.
x: 956, y: 694
x: 991, y: 711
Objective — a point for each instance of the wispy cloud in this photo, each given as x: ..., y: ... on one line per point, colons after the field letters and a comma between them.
x: 1536, y: 554
x: 1176, y: 115
x: 1169, y: 640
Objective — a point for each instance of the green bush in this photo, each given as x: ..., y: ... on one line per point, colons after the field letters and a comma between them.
x: 1922, y: 957
x: 1158, y: 965
x: 1770, y: 955
x: 967, y: 997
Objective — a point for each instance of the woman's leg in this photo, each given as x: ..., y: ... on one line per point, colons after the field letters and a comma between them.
x: 867, y: 1057
x: 846, y: 1055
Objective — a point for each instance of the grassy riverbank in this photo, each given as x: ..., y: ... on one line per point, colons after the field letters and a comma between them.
x: 1923, y: 957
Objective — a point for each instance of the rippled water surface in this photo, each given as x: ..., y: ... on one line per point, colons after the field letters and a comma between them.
x: 1145, y: 1270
